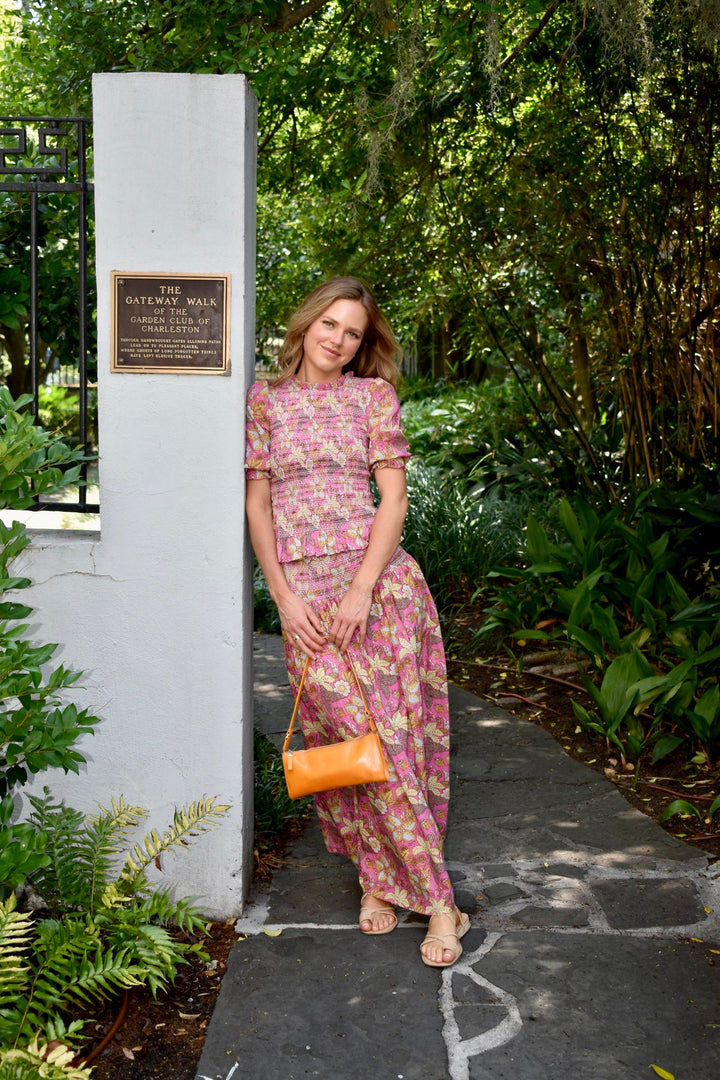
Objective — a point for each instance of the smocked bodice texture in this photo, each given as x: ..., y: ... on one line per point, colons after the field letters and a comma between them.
x: 318, y: 445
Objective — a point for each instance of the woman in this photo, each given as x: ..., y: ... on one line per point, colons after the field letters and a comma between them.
x: 315, y: 436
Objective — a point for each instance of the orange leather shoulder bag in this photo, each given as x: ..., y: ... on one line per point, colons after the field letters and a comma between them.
x: 321, y: 768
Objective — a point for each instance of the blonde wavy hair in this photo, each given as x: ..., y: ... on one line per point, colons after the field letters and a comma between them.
x: 377, y: 352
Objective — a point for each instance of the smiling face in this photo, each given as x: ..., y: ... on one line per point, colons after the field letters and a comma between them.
x: 332, y: 340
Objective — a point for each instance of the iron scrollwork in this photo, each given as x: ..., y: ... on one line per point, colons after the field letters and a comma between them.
x: 24, y: 140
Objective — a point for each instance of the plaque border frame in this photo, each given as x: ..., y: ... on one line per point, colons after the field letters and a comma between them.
x: 157, y: 369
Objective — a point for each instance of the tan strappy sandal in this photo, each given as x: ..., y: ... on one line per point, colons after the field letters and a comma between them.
x: 367, y: 912
x: 462, y: 925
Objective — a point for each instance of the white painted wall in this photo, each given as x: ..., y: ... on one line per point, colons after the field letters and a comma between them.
x: 157, y: 609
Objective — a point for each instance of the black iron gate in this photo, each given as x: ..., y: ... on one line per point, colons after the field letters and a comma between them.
x: 42, y: 158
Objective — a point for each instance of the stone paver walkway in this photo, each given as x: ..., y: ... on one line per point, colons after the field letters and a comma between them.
x: 594, y: 951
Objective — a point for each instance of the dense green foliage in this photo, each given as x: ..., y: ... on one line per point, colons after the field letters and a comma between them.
x: 530, y: 186
x: 58, y: 413
x: 57, y: 281
x: 106, y: 928
x: 474, y: 478
x: 609, y: 590
x: 632, y: 593
x: 38, y: 729
x: 274, y: 810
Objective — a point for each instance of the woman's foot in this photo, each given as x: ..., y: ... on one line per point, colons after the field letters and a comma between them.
x: 376, y: 916
x: 441, y: 947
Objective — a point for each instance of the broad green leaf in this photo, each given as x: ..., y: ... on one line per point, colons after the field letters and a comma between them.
x: 665, y: 746
x: 571, y: 524
x: 680, y: 806
x: 537, y: 543
x: 708, y: 707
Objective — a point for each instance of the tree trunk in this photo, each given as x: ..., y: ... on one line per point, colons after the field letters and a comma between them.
x: 15, y: 342
x: 576, y: 337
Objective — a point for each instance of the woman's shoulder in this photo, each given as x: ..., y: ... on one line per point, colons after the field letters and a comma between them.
x: 258, y: 389
x: 376, y: 388
x: 380, y: 393
x: 259, y: 396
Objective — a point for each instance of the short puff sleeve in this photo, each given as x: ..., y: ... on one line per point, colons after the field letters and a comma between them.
x: 257, y: 433
x: 388, y: 447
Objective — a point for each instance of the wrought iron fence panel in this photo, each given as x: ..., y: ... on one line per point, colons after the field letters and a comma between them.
x: 41, y: 158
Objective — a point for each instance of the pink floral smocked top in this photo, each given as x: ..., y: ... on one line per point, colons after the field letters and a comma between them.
x: 318, y: 445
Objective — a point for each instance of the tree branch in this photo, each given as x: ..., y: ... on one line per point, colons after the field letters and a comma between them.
x: 290, y: 17
x: 531, y: 36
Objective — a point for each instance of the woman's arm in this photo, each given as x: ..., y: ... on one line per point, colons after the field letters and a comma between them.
x: 385, y: 533
x: 297, y: 619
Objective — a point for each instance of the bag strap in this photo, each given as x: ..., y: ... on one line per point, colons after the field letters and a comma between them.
x: 368, y: 716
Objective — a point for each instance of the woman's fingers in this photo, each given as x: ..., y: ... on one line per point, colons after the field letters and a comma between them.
x: 351, y: 617
x: 343, y: 631
x: 301, y: 625
x: 308, y: 639
x: 308, y: 634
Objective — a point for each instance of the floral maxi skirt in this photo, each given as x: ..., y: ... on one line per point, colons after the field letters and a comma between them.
x: 392, y: 831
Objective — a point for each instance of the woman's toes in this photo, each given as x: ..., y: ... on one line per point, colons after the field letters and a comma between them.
x: 379, y: 920
x: 376, y: 916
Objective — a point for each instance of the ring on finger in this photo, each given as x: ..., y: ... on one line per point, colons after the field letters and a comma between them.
x: 296, y: 636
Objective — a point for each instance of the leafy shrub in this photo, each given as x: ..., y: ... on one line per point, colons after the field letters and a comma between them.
x: 274, y: 809
x: 497, y: 434
x: 33, y: 462
x: 37, y: 731
x: 457, y: 536
x: 59, y: 413
x: 459, y: 428
x: 609, y: 589
x: 106, y: 928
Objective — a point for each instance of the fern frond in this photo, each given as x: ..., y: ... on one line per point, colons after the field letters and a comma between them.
x: 84, y: 851
x: 112, y: 896
x: 161, y: 907
x: 37, y: 1061
x: 16, y: 931
x: 121, y: 816
x: 71, y: 965
x: 159, y: 955
x: 64, y: 982
x: 62, y: 883
x: 158, y: 906
x: 189, y: 822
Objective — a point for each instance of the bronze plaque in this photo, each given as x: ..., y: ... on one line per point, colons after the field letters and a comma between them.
x: 172, y: 323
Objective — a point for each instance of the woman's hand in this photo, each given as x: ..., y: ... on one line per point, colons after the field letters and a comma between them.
x: 301, y: 624
x: 352, y: 614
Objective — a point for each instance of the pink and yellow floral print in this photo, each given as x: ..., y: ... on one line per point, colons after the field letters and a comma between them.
x: 394, y: 831
x: 317, y: 445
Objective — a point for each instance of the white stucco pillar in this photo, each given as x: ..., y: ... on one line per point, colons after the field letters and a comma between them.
x: 158, y: 610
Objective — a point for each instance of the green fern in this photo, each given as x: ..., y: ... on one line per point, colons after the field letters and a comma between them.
x: 189, y: 822
x: 16, y: 929
x: 107, y: 929
x: 83, y: 851
x: 70, y: 966
x: 38, y: 1061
